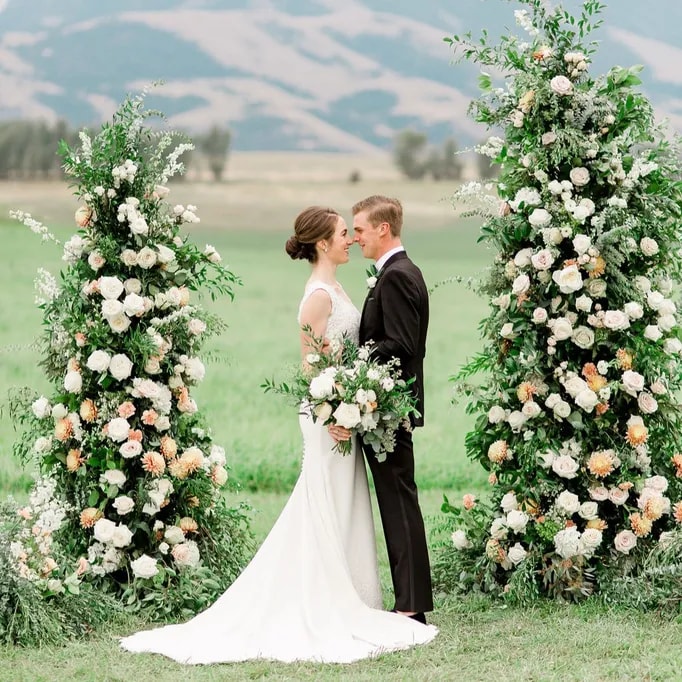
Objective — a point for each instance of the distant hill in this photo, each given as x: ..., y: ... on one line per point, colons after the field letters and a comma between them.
x: 290, y: 74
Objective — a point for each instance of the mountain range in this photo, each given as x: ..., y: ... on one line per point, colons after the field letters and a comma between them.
x: 332, y: 75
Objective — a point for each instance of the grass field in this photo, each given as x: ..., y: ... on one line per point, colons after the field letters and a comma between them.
x: 248, y: 220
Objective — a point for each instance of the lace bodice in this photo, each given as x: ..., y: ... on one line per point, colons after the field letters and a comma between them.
x: 344, y: 319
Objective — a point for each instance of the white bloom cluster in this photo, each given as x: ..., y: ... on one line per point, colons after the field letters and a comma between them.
x: 46, y: 286
x: 124, y: 173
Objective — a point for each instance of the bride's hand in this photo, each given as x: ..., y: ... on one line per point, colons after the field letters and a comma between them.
x: 338, y: 433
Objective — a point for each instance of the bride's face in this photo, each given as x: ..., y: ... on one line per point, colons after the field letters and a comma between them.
x: 338, y: 245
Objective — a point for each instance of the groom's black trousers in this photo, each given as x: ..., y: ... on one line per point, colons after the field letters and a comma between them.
x: 403, y: 524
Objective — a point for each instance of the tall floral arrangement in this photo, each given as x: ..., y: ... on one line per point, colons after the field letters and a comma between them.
x: 131, y: 461
x: 578, y: 420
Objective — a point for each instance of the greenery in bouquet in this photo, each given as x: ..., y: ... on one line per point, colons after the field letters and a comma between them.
x: 344, y: 385
x: 576, y: 390
x: 132, y: 464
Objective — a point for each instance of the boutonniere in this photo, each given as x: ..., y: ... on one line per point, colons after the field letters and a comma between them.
x: 372, y: 276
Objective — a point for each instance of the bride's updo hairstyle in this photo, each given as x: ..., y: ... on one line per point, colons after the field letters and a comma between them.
x: 311, y: 225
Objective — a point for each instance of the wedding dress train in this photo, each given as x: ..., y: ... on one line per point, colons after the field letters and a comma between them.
x: 311, y: 592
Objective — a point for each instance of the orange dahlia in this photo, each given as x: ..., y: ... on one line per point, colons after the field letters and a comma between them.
x: 90, y: 516
x: 637, y: 434
x: 74, y: 460
x: 153, y: 463
x: 601, y: 463
x: 498, y: 451
x: 624, y: 359
x: 63, y: 429
x: 168, y: 447
x: 641, y: 526
x: 188, y: 525
x: 526, y: 391
x: 677, y: 462
x: 88, y: 411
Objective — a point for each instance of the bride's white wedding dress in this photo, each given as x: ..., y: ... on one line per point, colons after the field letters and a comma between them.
x: 312, y: 590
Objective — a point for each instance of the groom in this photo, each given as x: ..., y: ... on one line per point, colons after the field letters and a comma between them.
x: 395, y: 317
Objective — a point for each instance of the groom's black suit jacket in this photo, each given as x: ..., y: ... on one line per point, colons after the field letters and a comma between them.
x: 396, y: 316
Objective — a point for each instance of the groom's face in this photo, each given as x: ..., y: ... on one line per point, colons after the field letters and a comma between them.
x: 367, y: 235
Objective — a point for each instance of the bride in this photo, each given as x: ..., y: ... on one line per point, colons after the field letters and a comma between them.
x: 311, y: 592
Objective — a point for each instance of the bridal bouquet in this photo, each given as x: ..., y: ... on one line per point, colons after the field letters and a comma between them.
x: 349, y: 388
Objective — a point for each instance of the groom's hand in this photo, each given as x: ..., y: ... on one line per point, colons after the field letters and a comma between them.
x: 338, y: 433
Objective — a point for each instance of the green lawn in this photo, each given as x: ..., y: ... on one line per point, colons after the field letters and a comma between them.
x: 249, y: 224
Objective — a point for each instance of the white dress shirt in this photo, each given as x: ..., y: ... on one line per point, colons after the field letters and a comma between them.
x: 382, y: 261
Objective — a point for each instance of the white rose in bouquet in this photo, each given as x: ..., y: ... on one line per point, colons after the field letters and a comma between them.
x: 589, y: 510
x: 596, y: 288
x: 667, y: 323
x: 561, y: 410
x: 658, y: 387
x: 542, y: 260
x: 196, y: 326
x: 123, y: 505
x: 616, y: 320
x: 517, y: 520
x: 211, y: 253
x: 633, y: 310
x: 526, y: 195
x: 104, y: 531
x: 672, y: 346
x: 507, y: 331
x: 647, y: 403
x: 581, y: 243
x: 165, y: 254
x: 584, y: 303
x: 568, y: 502
x: 520, y: 285
x: 120, y: 367
x: 655, y: 299
x: 144, y: 567
x: 110, y: 287
x: 130, y: 449
x: 323, y: 411
x: 41, y: 407
x: 347, y: 415
x: 186, y: 554
x: 194, y: 370
x: 587, y: 400
x: 516, y: 420
x: 633, y: 382
x: 657, y: 483
x: 517, y: 553
x: 98, y: 361
x: 648, y: 246
x: 133, y: 305
x: 618, y: 496
x: 625, y: 541
x: 114, y: 477
x: 502, y: 301
x: 96, y: 261
x: 111, y: 308
x: 498, y: 529
x: 580, y: 176
x: 652, y: 332
x: 146, y: 258
x: 549, y: 138
x: 173, y: 534
x: 42, y: 444
x: 531, y: 409
x: 386, y: 383
x: 568, y: 279
x: 129, y: 258
x: 119, y: 323
x: 561, y: 328
x: 583, y: 337
x: 460, y: 540
x: 73, y: 382
x: 59, y: 411
x: 496, y: 414
x: 539, y: 316
x: 565, y: 466
x: 540, y: 217
x: 132, y: 286
x: 561, y: 85
x: 509, y: 502
x: 117, y: 429
x: 322, y: 386
x: 567, y: 542
x: 523, y: 257
x: 590, y: 540
x: 599, y: 494
x: 122, y: 536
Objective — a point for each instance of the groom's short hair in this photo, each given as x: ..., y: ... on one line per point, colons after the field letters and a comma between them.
x: 381, y: 209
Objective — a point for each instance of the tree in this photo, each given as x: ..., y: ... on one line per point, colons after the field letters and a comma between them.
x: 410, y: 153
x: 215, y: 146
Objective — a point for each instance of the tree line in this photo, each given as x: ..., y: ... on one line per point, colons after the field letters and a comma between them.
x: 28, y: 149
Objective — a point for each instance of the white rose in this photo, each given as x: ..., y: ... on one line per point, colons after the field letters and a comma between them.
x: 562, y: 410
x: 347, y: 415
x: 129, y: 258
x: 211, y: 253
x: 590, y: 540
x: 507, y: 331
x: 539, y: 316
x: 186, y: 554
x: 633, y: 310
x: 502, y: 301
x: 460, y: 540
x: 648, y: 246
x: 119, y: 323
x: 73, y: 382
x: 59, y: 411
x: 583, y: 337
x: 130, y: 449
x: 146, y: 258
x: 120, y: 367
x: 633, y: 382
x: 516, y: 420
x: 643, y: 284
x: 498, y: 530
x: 509, y: 502
x: 117, y: 429
x: 196, y: 327
x: 104, y: 531
x: 600, y: 493
x: 95, y: 260
x: 647, y: 403
x: 580, y: 176
x: 496, y: 414
x: 568, y: 502
x: 581, y: 242
x: 584, y: 303
x: 655, y: 299
x: 517, y: 520
x: 132, y: 286
x: 133, y: 305
x: 588, y: 510
x: 41, y: 407
x: 531, y: 409
x: 144, y: 567
x: 567, y: 542
x: 195, y: 370
x: 122, y: 536
x: 165, y: 255
x: 616, y: 319
x: 123, y: 504
x: 548, y: 138
x: 42, y: 444
x: 520, y: 285
x: 174, y: 535
x: 587, y: 400
x: 114, y: 477
x: 561, y: 328
x: 542, y: 260
x: 657, y: 483
x: 625, y: 541
x: 111, y: 308
x: 110, y: 287
x: 618, y: 497
x: 540, y: 217
x: 667, y: 323
x: 652, y: 332
x: 672, y: 346
x: 386, y: 383
x: 523, y: 258
x: 98, y: 361
x: 517, y: 554
x: 565, y: 466
x: 596, y: 288
x: 561, y: 85
x: 568, y: 279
